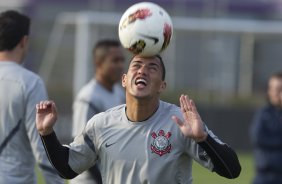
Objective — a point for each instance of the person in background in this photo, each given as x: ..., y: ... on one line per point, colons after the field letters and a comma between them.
x: 266, y: 135
x: 20, y: 91
x: 102, y: 92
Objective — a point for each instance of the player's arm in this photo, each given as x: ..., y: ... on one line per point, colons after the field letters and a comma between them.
x: 58, y: 154
x: 35, y: 93
x: 224, y: 159
x: 84, y: 110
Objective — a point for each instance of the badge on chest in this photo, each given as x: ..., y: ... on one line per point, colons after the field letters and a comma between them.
x: 161, y: 144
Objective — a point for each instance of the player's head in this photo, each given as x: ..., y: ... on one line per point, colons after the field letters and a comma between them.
x: 145, y: 77
x: 109, y: 60
x: 14, y: 29
x: 274, y: 90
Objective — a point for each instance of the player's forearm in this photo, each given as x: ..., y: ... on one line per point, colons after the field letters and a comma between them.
x: 58, y: 155
x: 224, y: 159
x: 46, y: 131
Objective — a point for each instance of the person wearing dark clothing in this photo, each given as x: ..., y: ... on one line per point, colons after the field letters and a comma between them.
x: 266, y: 135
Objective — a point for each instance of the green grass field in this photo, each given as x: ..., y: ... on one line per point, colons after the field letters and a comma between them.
x: 204, y: 176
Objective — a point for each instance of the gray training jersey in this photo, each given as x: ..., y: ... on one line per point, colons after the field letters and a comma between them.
x: 92, y: 99
x: 20, y: 143
x: 153, y: 151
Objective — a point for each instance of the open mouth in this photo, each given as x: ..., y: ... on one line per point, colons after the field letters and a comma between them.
x: 140, y: 82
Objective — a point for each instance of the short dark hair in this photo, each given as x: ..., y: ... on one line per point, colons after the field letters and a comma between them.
x: 276, y: 75
x: 13, y: 27
x: 102, y: 46
x: 162, y: 65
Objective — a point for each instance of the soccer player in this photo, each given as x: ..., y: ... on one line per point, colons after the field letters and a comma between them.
x: 145, y: 140
x: 20, y: 90
x: 101, y: 93
x: 266, y: 135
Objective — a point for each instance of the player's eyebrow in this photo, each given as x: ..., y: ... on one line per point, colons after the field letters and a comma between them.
x: 154, y: 64
x: 137, y: 61
x: 150, y: 64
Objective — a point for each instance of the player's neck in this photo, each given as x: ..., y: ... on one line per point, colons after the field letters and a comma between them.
x: 141, y: 110
x: 106, y: 84
x: 9, y: 56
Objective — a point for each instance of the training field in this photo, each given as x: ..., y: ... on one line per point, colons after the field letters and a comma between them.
x: 204, y: 176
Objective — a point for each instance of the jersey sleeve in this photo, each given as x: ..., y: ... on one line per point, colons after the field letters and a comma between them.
x: 83, y: 110
x: 35, y: 93
x: 83, y: 152
x: 215, y: 155
x: 194, y: 150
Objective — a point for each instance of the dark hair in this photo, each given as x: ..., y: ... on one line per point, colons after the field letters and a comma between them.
x: 276, y: 75
x: 162, y: 65
x: 13, y: 27
x: 102, y: 46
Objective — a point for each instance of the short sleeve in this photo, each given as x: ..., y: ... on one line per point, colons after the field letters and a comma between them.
x: 83, y: 152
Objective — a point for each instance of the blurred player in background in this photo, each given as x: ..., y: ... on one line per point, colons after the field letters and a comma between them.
x: 266, y: 135
x: 20, y: 90
x: 101, y: 93
x: 145, y: 140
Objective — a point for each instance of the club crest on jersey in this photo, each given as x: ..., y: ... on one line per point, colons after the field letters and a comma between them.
x: 161, y: 144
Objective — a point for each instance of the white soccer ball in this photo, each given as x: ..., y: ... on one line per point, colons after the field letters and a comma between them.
x: 145, y: 29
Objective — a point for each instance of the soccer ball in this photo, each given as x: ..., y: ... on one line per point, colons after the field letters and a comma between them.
x: 145, y: 29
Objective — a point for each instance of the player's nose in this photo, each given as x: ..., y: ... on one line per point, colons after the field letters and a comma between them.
x: 143, y: 70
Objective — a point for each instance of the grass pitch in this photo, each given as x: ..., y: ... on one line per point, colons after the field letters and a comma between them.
x: 204, y: 176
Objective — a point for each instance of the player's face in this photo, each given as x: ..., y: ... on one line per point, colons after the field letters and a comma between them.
x: 275, y: 91
x: 144, y: 78
x: 113, y: 65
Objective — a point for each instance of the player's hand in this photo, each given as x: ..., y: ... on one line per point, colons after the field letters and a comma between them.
x: 46, y: 116
x: 192, y: 126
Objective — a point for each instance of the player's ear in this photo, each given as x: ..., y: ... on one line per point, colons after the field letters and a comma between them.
x: 162, y: 87
x: 24, y: 42
x: 123, y: 80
